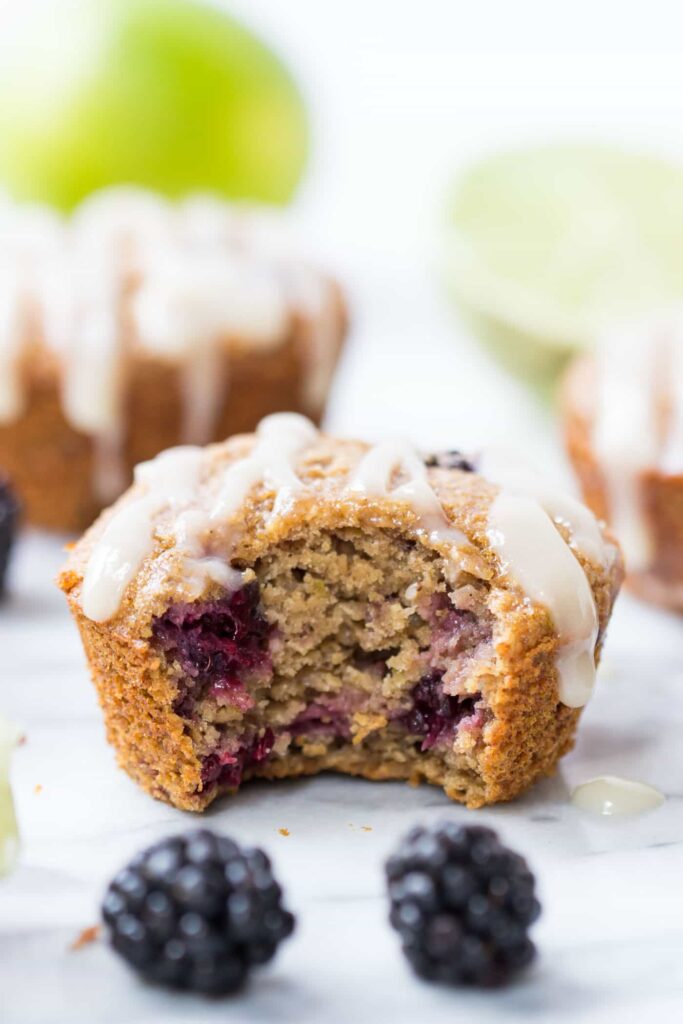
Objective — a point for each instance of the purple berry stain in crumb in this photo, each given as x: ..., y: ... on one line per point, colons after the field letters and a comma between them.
x: 436, y: 716
x: 220, y: 643
x: 9, y: 521
x: 323, y: 719
x: 216, y: 644
x: 228, y: 769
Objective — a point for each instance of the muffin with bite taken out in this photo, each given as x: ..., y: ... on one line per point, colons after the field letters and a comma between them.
x: 287, y: 603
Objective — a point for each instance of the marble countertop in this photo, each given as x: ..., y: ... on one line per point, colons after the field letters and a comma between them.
x: 611, y: 933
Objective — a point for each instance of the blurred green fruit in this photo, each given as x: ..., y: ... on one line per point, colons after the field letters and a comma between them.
x: 545, y: 245
x: 170, y: 94
x: 8, y: 826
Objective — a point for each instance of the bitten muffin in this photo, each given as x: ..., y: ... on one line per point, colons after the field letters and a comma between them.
x: 623, y: 422
x: 137, y: 325
x: 287, y: 603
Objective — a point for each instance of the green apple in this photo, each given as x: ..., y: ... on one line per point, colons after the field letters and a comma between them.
x: 8, y: 826
x: 174, y: 95
x: 543, y: 246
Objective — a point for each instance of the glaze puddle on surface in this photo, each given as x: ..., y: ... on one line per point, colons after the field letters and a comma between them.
x: 611, y: 796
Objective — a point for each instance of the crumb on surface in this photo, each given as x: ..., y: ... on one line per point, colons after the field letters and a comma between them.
x: 366, y: 828
x: 88, y: 935
x: 284, y: 831
x: 38, y: 788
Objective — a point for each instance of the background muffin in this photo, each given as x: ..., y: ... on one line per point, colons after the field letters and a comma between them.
x: 137, y: 325
x: 623, y: 417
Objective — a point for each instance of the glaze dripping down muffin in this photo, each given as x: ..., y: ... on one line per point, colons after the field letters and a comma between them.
x: 138, y: 324
x: 623, y: 418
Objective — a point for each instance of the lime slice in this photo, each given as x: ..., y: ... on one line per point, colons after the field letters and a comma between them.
x: 9, y: 836
x: 544, y: 245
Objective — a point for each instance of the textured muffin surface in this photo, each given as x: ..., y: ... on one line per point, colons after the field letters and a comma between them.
x: 351, y: 643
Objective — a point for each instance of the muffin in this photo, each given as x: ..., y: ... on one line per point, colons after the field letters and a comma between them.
x: 287, y: 603
x: 623, y: 421
x: 137, y: 325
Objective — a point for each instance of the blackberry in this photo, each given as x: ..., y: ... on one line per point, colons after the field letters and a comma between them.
x: 453, y: 459
x: 196, y: 912
x: 462, y: 904
x: 9, y: 520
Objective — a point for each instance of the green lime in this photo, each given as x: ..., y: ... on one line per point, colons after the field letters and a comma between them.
x: 9, y: 837
x: 544, y: 245
x: 174, y: 95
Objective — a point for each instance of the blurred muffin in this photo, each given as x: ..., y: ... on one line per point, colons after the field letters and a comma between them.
x: 623, y: 419
x: 138, y: 325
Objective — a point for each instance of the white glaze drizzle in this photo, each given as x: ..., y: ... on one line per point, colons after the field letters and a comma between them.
x: 212, y: 294
x: 314, y: 297
x: 200, y: 564
x: 280, y: 438
x: 533, y: 552
x: 200, y: 275
x: 205, y: 387
x: 191, y: 302
x: 373, y: 477
x: 612, y: 796
x: 638, y: 421
x: 625, y: 432
x: 527, y: 542
x: 92, y: 390
x: 523, y: 525
x: 169, y: 480
x: 504, y: 469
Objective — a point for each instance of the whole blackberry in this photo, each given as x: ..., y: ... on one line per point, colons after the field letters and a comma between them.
x: 196, y: 912
x: 462, y: 903
x: 9, y: 520
x: 453, y: 459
